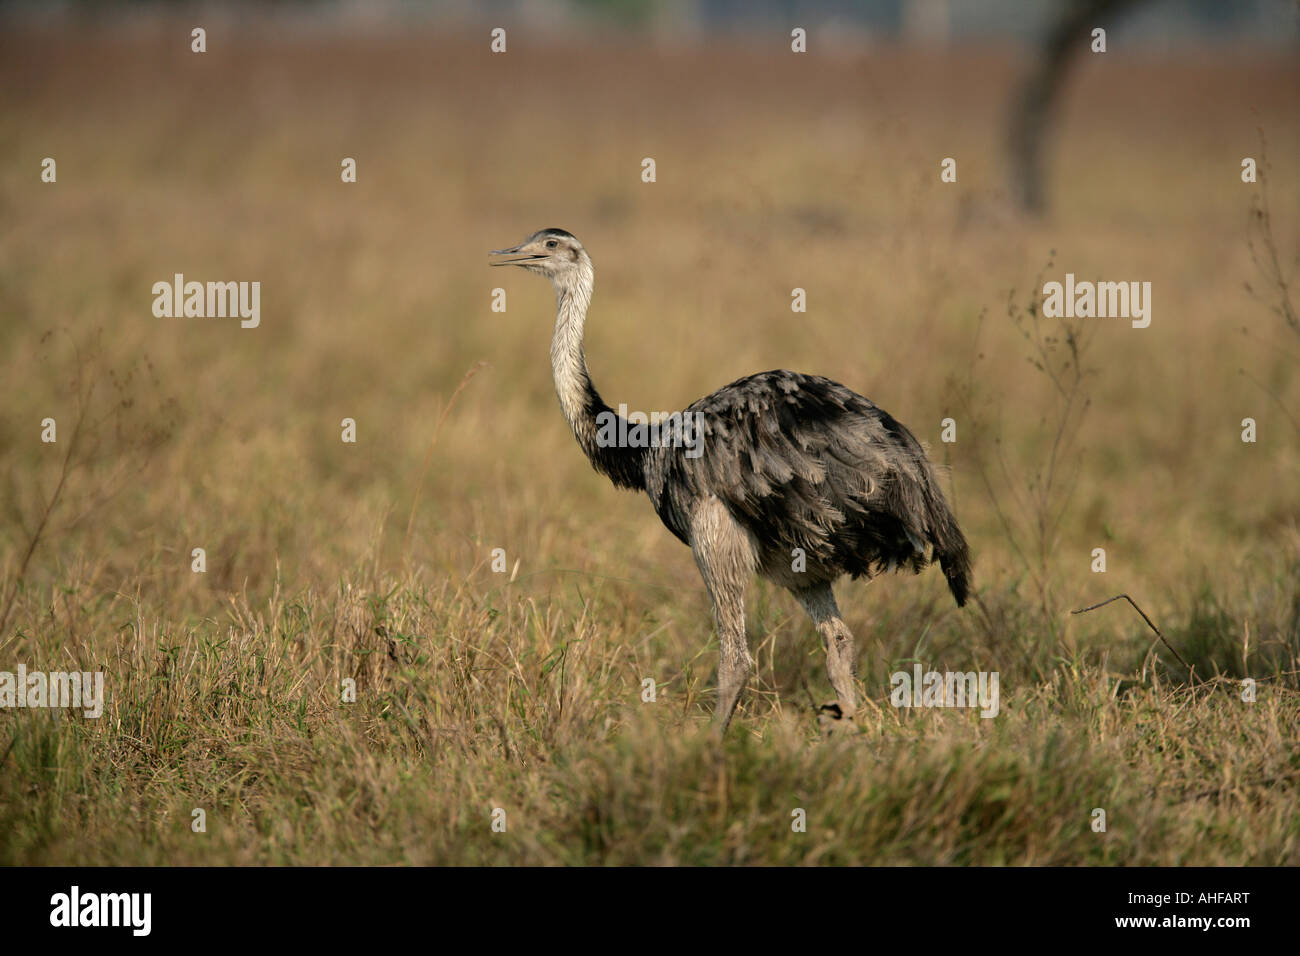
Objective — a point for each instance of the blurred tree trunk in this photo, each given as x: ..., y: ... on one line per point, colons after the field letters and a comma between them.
x: 1035, y: 104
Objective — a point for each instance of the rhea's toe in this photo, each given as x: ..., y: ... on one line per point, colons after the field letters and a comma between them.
x: 832, y: 720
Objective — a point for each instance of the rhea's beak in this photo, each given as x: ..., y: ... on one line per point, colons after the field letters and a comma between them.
x: 518, y: 260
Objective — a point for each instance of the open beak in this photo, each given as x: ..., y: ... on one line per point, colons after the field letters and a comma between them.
x: 518, y: 260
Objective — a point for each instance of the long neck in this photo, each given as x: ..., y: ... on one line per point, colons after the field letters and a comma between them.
x: 592, y: 421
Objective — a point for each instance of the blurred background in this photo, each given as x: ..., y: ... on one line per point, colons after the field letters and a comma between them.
x: 1155, y: 24
x: 774, y: 171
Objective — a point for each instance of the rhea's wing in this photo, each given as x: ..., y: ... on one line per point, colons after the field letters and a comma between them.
x: 803, y: 462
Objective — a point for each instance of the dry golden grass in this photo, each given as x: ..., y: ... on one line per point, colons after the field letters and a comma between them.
x: 479, y: 690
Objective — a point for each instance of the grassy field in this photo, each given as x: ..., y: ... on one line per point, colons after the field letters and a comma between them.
x: 522, y: 690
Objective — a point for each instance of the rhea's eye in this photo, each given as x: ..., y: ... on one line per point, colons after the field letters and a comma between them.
x: 551, y: 243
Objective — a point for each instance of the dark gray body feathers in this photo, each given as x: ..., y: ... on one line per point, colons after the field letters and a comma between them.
x: 802, y: 462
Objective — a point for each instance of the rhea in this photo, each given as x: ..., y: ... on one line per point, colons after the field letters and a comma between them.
x: 792, y: 477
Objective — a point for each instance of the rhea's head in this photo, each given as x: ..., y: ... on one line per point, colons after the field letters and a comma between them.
x: 554, y: 253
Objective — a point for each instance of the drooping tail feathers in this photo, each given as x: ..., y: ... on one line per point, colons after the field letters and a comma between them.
x: 950, y: 548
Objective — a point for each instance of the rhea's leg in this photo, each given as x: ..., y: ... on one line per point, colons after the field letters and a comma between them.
x: 725, y: 556
x: 841, y: 655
